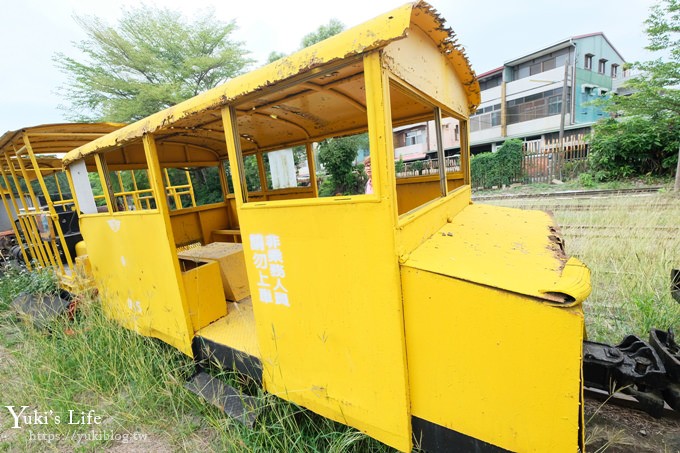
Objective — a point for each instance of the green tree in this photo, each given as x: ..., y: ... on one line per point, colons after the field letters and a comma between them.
x: 152, y: 59
x: 646, y: 139
x: 655, y: 90
x: 273, y: 56
x: 337, y: 156
x: 333, y: 27
x: 500, y: 168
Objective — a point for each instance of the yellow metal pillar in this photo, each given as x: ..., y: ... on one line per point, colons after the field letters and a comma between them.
x: 311, y: 164
x: 8, y: 211
x: 39, y: 241
x: 191, y: 188
x: 102, y: 170
x: 236, y: 164
x: 263, y: 176
x: 24, y: 220
x: 72, y: 188
x: 50, y: 207
x: 465, y: 150
x: 223, y: 178
x: 56, y: 181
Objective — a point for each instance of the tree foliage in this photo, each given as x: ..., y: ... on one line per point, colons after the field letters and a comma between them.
x: 656, y: 90
x: 634, y: 146
x: 646, y: 137
x: 333, y: 27
x: 152, y: 59
x: 337, y: 155
x: 499, y: 168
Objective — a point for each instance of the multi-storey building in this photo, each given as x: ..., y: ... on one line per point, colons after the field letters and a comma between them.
x: 546, y: 94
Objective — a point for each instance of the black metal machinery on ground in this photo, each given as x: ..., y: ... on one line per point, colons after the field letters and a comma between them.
x: 649, y: 371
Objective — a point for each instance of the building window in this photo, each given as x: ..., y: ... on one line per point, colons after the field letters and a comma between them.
x: 535, y: 106
x: 414, y: 137
x: 615, y: 70
x: 491, y: 82
x: 601, y: 65
x: 588, y: 64
x: 485, y: 118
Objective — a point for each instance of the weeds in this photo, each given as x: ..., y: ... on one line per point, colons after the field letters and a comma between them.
x: 136, y: 385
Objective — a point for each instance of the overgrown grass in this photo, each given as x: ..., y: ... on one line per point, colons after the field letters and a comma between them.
x: 136, y: 385
x: 630, y: 244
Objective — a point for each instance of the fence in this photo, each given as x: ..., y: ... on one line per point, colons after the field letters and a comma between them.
x: 428, y: 167
x: 544, y: 160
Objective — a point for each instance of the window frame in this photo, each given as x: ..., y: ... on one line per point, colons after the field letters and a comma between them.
x: 588, y: 61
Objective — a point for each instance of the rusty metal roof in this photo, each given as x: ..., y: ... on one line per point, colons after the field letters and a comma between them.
x: 54, y: 138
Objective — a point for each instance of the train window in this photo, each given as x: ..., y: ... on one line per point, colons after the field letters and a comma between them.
x: 192, y: 186
x: 98, y: 191
x: 323, y: 116
x: 452, y: 139
x: 285, y: 168
x: 347, y: 166
x: 417, y: 128
x: 252, y: 173
x: 131, y: 190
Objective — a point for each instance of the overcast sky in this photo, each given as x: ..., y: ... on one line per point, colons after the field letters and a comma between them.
x: 492, y: 32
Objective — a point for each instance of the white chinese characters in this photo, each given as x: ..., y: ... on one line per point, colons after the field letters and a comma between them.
x: 268, y: 261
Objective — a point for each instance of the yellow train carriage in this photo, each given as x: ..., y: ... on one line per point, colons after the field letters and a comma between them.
x: 36, y: 194
x: 403, y: 310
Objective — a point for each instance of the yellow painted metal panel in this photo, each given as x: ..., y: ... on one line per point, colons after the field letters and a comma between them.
x: 203, y: 288
x: 342, y: 322
x: 197, y: 224
x: 420, y: 62
x: 134, y: 269
x: 515, y: 250
x: 232, y: 266
x: 416, y: 227
x: 416, y: 191
x: 492, y: 364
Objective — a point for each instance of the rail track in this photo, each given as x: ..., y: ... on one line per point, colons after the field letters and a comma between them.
x: 571, y: 194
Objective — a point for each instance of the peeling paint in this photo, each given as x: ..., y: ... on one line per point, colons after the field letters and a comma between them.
x: 114, y: 224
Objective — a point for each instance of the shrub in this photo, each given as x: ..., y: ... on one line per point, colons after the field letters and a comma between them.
x: 634, y: 146
x: 499, y: 168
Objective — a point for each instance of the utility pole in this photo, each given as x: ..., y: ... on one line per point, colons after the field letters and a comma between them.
x: 563, y: 112
x: 504, y: 120
x: 677, y: 174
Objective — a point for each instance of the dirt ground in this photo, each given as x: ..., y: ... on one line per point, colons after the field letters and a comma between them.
x: 617, y: 429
